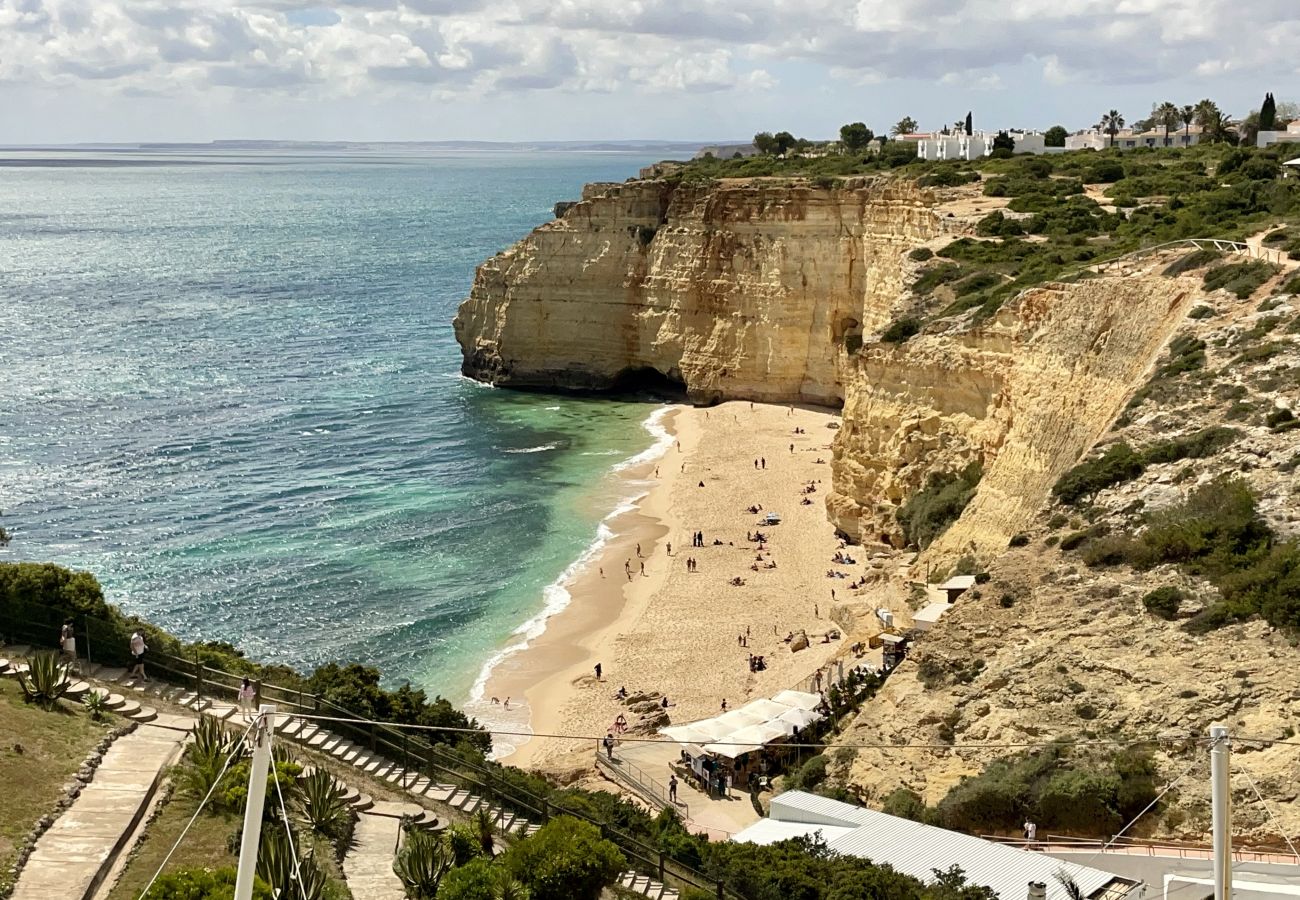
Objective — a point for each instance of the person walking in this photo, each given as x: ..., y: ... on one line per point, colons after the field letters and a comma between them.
x: 672, y: 788
x: 598, y: 671
x: 247, y: 694
x: 138, y: 649
x: 67, y: 641
x: 609, y: 745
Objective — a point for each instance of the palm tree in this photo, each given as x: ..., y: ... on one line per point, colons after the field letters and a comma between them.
x: 1069, y: 885
x: 1206, y: 113
x: 1167, y: 114
x: 905, y: 125
x: 1111, y: 123
x: 1188, y: 115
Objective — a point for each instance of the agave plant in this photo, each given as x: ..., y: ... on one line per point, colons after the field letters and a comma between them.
x: 321, y: 807
x: 275, y: 865
x: 206, y: 758
x: 96, y: 704
x: 505, y: 887
x: 45, y: 681
x: 421, y: 864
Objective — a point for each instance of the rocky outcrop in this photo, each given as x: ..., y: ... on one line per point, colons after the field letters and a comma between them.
x: 1024, y: 394
x: 731, y: 290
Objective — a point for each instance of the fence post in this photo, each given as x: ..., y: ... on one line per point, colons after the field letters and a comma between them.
x: 661, y: 866
x: 315, y: 702
x: 198, y: 676
x: 546, y: 810
x: 374, y: 739
x: 720, y: 890
x: 257, y: 693
x: 406, y: 759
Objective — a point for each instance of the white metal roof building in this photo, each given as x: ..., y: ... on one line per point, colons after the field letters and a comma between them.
x: 916, y: 849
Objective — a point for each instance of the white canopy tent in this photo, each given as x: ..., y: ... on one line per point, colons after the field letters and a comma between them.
x: 768, y: 709
x: 750, y: 727
x: 762, y: 734
x: 800, y: 718
x: 798, y: 699
x: 731, y: 751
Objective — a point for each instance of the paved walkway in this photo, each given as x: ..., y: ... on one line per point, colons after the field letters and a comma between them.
x: 71, y: 858
x: 368, y: 866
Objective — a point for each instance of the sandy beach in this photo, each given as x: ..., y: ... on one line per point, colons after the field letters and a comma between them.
x: 677, y: 631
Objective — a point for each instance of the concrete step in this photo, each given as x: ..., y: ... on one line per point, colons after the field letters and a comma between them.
x: 221, y: 711
x: 291, y: 727
x: 115, y: 701
x: 625, y: 880
x: 440, y: 792
x: 308, y: 730
x: 342, y: 749
x: 4, y: 665
x: 77, y: 690
x: 110, y: 673
x: 352, y: 754
x: 18, y: 651
x: 363, y: 803
x: 318, y: 739
x: 145, y: 714
x: 128, y: 708
x: 15, y: 669
x: 350, y: 794
x: 532, y: 829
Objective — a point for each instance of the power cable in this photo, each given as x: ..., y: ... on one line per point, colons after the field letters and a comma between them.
x: 1268, y: 809
x: 234, y: 751
x: 1097, y: 742
x: 1169, y: 787
x: 288, y: 828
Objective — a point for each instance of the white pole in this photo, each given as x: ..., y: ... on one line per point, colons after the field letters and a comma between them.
x: 1221, y: 794
x: 261, y: 735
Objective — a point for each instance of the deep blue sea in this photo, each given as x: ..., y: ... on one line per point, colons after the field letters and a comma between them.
x: 229, y: 389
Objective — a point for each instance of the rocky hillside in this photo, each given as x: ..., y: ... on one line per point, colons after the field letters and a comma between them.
x: 1069, y: 639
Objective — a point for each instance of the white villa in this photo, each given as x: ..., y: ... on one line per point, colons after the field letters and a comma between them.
x: 1290, y: 136
x: 960, y: 145
x: 1128, y: 139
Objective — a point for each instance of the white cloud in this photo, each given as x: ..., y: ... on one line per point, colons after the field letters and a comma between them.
x: 467, y: 49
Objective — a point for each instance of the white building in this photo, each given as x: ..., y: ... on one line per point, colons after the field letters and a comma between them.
x: 1128, y: 139
x: 973, y: 146
x: 1290, y: 136
x: 917, y: 850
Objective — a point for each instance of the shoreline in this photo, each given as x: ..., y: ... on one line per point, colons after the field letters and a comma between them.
x: 674, y: 631
x: 617, y: 533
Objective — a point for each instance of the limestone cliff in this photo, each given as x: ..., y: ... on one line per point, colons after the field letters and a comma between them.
x: 754, y: 290
x: 1025, y: 394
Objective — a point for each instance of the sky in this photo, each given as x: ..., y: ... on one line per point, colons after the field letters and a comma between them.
x: 368, y: 70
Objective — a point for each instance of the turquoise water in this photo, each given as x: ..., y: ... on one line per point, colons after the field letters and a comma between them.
x: 231, y: 392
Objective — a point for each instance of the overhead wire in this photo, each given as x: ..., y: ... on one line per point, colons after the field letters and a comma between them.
x: 1146, y: 809
x: 999, y: 745
x: 230, y: 757
x: 1264, y: 803
x: 284, y: 812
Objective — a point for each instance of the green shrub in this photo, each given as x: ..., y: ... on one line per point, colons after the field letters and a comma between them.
x: 935, y: 275
x: 565, y: 860
x: 422, y: 863
x: 1241, y: 279
x: 1079, y: 538
x: 929, y: 511
x: 45, y: 681
x: 1200, y: 444
x: 901, y: 331
x: 1196, y: 259
x: 1118, y: 464
x: 920, y: 254
x: 323, y: 809
x: 1201, y: 312
x: 808, y: 775
x: 476, y: 880
x: 1057, y: 520
x: 905, y: 804
x: 1291, y: 287
x: 975, y: 283
x: 203, y: 884
x: 1279, y: 419
x: 1164, y: 602
x: 1018, y: 540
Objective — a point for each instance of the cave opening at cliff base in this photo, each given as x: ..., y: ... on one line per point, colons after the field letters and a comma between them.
x: 647, y: 380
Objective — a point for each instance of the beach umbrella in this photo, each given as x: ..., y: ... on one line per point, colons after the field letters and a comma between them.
x: 731, y: 751
x: 798, y: 699
x: 686, y: 734
x: 801, y: 718
x: 738, y: 718
x: 768, y: 709
x: 761, y: 734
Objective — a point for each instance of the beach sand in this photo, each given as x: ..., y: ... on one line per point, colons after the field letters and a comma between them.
x: 674, y: 631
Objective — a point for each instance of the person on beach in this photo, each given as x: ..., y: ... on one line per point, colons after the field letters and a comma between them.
x: 792, y: 448
x: 247, y: 694
x: 672, y: 788
x: 598, y: 671
x: 602, y: 571
x: 507, y: 703
x: 656, y: 471
x: 609, y: 745
x: 670, y: 548
x: 638, y: 551
x: 643, y: 570
x: 724, y: 704
x: 763, y: 460
x: 137, y: 647
x: 755, y: 464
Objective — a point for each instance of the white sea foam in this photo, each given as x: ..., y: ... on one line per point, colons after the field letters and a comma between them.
x: 461, y: 376
x: 556, y: 597
x: 537, y: 449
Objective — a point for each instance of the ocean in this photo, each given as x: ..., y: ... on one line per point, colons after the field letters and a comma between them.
x: 231, y: 391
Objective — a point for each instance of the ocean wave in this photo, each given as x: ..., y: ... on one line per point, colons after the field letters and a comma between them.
x: 461, y: 376
x: 555, y: 596
x: 538, y: 449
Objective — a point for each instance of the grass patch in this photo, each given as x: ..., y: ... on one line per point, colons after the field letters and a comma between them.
x: 207, y: 845
x: 1198, y: 445
x: 901, y: 331
x: 1118, y: 464
x: 1241, y: 279
x: 53, y: 745
x: 1197, y: 259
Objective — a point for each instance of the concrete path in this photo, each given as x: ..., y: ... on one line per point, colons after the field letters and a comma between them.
x: 368, y: 866
x: 72, y: 857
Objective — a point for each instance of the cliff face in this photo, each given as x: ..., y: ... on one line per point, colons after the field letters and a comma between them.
x: 733, y: 290
x: 1025, y: 395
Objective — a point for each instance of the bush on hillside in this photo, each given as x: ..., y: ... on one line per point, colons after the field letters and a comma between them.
x: 203, y: 884
x: 901, y: 331
x: 565, y: 860
x: 933, y: 276
x: 1164, y: 602
x: 929, y: 511
x: 1241, y: 279
x: 1197, y: 259
x: 1118, y: 464
x: 920, y: 254
x: 1198, y: 445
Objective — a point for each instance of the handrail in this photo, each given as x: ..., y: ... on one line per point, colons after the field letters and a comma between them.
x: 653, y: 790
x: 428, y: 757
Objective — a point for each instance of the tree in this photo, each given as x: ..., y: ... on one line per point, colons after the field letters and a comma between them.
x: 970, y: 127
x: 1188, y: 115
x: 905, y: 125
x: 566, y: 859
x: 1167, y: 115
x: 856, y: 135
x: 1111, y: 123
x: 765, y: 143
x: 1268, y: 113
x: 785, y: 141
x: 1206, y: 113
x: 1004, y: 141
x: 1055, y: 136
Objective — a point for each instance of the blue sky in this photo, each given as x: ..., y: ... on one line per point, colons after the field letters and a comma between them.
x: 195, y: 70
